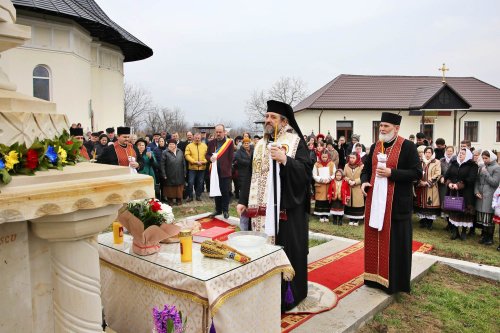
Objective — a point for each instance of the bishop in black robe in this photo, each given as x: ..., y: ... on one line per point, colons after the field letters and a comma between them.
x: 293, y: 233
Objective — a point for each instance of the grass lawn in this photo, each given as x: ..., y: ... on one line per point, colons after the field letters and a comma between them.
x: 445, y: 300
x: 468, y: 250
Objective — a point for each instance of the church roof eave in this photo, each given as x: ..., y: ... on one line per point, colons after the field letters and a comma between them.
x: 92, y: 18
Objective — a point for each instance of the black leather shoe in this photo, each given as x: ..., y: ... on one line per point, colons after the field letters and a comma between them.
x: 212, y: 214
x: 226, y: 215
x: 189, y: 199
x: 198, y: 198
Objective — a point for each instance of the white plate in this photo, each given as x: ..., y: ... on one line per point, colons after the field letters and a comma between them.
x: 247, y: 240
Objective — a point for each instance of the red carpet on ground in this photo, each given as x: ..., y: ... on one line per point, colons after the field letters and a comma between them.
x: 342, y: 272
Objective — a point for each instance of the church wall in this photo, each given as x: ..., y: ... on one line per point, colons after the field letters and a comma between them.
x: 82, y: 71
x: 107, y: 98
x: 487, y: 128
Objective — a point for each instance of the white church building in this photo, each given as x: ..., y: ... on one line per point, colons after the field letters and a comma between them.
x: 460, y: 108
x: 74, y: 59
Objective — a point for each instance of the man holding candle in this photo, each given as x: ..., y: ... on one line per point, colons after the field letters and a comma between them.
x: 387, y: 178
x: 285, y: 220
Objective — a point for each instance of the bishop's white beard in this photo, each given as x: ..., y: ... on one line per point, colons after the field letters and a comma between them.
x: 387, y: 137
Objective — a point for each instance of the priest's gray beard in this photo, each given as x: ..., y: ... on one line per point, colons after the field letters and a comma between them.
x: 387, y: 137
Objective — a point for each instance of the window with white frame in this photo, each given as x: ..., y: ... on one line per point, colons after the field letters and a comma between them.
x: 41, y: 82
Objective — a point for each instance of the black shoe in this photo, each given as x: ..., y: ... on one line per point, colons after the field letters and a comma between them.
x: 422, y: 223
x: 189, y: 199
x: 429, y: 224
x: 226, y: 215
x: 198, y: 198
x: 463, y: 234
x: 212, y: 214
x: 454, y: 233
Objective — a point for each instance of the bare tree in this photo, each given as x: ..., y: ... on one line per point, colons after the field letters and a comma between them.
x: 165, y: 119
x: 138, y: 104
x: 289, y: 90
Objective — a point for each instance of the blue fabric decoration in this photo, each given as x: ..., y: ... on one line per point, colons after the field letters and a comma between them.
x: 2, y: 165
x: 289, y: 296
x: 51, y: 154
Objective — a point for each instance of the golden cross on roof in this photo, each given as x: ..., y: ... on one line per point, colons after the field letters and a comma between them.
x: 443, y: 69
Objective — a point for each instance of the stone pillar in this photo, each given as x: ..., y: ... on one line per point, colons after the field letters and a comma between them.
x: 74, y: 267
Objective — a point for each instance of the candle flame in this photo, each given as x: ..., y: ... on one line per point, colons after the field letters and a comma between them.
x: 382, y: 146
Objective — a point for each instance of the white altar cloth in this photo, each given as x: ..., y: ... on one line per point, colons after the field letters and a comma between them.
x: 240, y: 298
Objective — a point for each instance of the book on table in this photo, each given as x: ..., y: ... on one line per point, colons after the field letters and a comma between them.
x: 214, y: 233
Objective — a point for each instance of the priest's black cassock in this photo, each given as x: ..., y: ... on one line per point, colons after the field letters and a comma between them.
x: 408, y: 170
x: 293, y: 233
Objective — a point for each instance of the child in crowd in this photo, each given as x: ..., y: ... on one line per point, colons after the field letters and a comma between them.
x: 355, y: 208
x: 496, y: 206
x: 339, y: 195
x: 323, y: 171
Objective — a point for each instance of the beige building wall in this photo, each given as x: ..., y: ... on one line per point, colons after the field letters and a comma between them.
x: 309, y: 120
x: 83, y: 73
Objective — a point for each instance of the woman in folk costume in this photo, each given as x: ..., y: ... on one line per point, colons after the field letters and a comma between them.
x: 339, y: 195
x: 486, y: 184
x: 355, y: 208
x: 427, y: 192
x: 495, y: 204
x: 460, y: 178
x: 358, y: 149
x: 449, y: 155
x: 322, y: 173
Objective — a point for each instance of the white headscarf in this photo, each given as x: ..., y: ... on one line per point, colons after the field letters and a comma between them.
x: 493, y: 156
x: 468, y: 156
x: 360, y: 145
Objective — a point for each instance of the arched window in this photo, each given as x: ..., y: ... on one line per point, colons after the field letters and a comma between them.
x: 41, y: 82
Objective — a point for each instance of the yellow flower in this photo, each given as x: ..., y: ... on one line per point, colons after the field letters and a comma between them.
x: 11, y: 159
x: 62, y: 155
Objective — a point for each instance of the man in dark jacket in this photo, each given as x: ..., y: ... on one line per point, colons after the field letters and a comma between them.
x: 221, y: 153
x: 388, y: 235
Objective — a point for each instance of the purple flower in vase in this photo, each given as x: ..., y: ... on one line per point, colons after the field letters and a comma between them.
x: 161, y: 320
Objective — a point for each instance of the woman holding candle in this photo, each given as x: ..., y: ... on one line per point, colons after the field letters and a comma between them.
x: 427, y: 201
x: 323, y: 173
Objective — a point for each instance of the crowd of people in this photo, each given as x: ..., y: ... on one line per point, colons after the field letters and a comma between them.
x: 180, y: 168
x: 181, y: 171
x: 472, y: 176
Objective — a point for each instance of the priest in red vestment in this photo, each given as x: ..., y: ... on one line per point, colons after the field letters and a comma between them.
x: 387, y: 179
x: 77, y: 134
x: 122, y: 152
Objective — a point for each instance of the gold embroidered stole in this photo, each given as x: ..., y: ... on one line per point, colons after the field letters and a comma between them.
x: 257, y: 200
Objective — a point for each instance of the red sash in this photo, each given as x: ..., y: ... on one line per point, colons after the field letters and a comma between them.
x: 228, y: 143
x: 378, y: 244
x: 123, y: 153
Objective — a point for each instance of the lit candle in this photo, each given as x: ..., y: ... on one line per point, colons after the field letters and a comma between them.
x: 382, y: 146
x: 275, y: 132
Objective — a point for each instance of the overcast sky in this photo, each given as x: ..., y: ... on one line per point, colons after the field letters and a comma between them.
x: 209, y: 56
